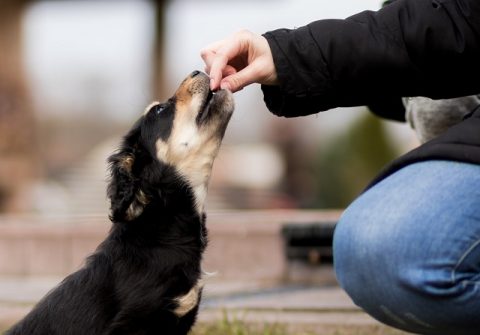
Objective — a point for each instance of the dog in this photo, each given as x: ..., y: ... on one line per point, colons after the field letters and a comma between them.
x: 146, y: 276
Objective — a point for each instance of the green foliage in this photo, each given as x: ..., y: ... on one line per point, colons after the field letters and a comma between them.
x: 350, y: 162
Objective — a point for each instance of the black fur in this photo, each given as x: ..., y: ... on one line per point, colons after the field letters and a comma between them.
x: 131, y: 282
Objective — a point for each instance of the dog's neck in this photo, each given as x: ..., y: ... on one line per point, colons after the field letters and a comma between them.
x: 197, y: 173
x: 199, y: 184
x: 185, y: 185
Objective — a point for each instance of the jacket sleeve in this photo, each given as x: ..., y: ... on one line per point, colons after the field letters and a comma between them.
x: 408, y: 48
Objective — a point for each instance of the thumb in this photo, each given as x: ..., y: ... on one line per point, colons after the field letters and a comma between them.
x: 237, y: 81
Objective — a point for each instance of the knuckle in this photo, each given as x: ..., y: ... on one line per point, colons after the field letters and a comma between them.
x: 221, y: 57
x: 204, y: 53
x: 235, y: 82
x: 244, y: 33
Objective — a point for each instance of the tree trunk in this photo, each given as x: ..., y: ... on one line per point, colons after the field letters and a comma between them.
x: 18, y: 164
x: 159, y: 80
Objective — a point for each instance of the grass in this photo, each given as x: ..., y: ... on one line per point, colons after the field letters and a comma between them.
x: 238, y: 327
x: 235, y: 326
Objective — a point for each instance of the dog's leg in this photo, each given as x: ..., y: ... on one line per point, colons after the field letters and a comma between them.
x: 188, y: 301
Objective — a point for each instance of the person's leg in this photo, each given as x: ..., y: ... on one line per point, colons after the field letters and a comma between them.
x: 408, y: 249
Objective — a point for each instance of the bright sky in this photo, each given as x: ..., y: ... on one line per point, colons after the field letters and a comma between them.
x: 81, y: 54
x: 197, y: 23
x: 84, y: 54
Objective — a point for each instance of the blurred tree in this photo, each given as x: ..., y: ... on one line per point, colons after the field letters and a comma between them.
x: 18, y: 163
x: 350, y: 161
x: 159, y: 89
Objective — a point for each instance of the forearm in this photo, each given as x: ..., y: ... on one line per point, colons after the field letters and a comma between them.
x: 409, y: 48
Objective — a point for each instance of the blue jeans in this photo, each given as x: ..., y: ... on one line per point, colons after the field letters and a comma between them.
x: 408, y: 250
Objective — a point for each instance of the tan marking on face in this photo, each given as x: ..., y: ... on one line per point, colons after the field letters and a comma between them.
x: 192, y: 148
x: 192, y: 152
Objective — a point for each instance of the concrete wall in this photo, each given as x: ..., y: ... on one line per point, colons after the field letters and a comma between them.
x: 243, y: 245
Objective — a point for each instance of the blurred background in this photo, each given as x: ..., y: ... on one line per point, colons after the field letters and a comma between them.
x: 74, y: 75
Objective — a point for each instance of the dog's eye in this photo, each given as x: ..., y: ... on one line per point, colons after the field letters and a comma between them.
x: 160, y: 109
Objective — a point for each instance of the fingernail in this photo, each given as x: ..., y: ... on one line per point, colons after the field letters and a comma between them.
x: 212, y: 83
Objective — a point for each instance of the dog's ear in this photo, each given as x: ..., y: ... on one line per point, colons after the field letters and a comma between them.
x: 123, y: 185
x: 127, y: 200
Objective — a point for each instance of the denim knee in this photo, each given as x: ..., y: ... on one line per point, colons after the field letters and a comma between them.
x: 397, y: 290
x: 368, y: 252
x: 411, y: 257
x: 359, y: 255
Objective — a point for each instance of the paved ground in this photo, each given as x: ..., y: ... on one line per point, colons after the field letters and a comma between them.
x: 301, y: 307
x: 247, y: 248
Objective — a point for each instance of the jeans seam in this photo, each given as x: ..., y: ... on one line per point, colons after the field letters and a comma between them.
x: 465, y: 254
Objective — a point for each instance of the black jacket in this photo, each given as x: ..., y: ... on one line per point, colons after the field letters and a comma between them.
x: 408, y: 48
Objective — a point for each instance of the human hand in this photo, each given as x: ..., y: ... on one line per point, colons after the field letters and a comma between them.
x: 239, y: 60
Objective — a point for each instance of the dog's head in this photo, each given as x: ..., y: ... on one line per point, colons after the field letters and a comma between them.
x: 176, y: 140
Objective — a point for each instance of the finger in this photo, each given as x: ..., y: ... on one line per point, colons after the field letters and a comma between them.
x: 212, y: 47
x: 229, y: 50
x: 228, y: 71
x: 208, y: 59
x: 219, y: 62
x: 237, y: 81
x: 208, y: 54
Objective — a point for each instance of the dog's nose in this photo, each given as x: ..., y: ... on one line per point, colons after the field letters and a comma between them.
x: 195, y: 73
